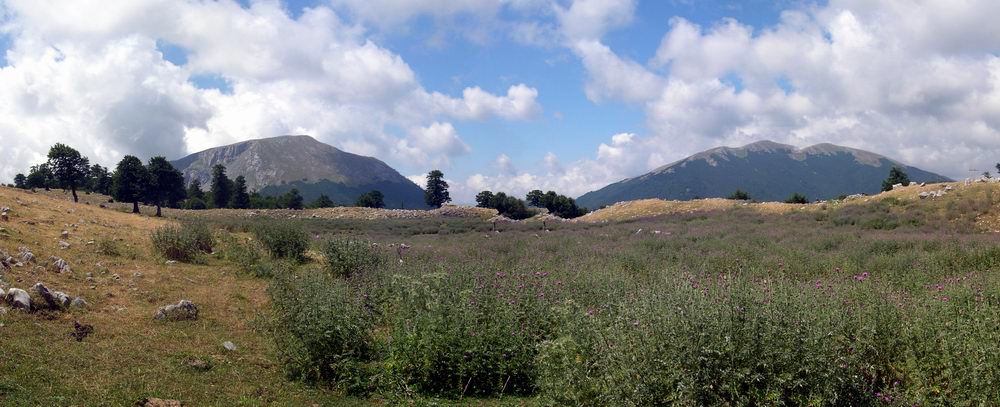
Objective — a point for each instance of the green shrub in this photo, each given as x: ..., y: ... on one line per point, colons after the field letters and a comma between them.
x: 346, y: 257
x: 283, y: 241
x: 323, y: 332
x: 185, y: 243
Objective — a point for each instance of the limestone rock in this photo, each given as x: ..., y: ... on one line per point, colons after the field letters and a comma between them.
x: 18, y: 299
x: 183, y: 310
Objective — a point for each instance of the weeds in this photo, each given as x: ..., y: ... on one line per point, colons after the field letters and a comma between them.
x: 185, y: 243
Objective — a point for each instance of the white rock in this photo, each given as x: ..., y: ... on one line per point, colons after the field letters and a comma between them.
x: 183, y: 310
x: 78, y: 302
x: 18, y: 298
x: 229, y: 346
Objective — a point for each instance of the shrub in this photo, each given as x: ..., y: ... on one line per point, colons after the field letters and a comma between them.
x: 346, y: 257
x: 740, y: 195
x: 184, y: 243
x: 797, y: 198
x: 283, y: 241
x: 322, y: 331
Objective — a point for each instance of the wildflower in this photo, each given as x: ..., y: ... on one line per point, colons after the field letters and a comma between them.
x: 819, y: 284
x: 501, y: 274
x: 590, y: 312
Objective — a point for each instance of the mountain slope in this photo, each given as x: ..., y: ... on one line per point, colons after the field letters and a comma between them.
x: 769, y: 171
x: 274, y: 166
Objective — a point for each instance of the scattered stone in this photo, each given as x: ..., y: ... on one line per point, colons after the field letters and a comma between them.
x: 81, y: 331
x: 229, y: 346
x: 896, y: 186
x: 115, y: 276
x: 169, y: 262
x: 64, y: 234
x: 53, y: 299
x: 18, y: 299
x: 137, y: 274
x: 948, y: 188
x: 79, y: 302
x: 200, y: 365
x: 183, y: 310
x: 26, y: 255
x: 155, y: 402
x: 60, y: 265
x: 63, y: 244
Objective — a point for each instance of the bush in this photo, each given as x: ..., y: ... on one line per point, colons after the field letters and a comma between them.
x: 797, y: 198
x: 184, y: 243
x: 283, y: 241
x: 346, y: 257
x: 323, y: 332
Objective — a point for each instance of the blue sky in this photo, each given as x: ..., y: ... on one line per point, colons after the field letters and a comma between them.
x: 507, y: 95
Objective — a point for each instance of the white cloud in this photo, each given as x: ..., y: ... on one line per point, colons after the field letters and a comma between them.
x: 872, y: 75
x: 589, y: 20
x: 90, y: 72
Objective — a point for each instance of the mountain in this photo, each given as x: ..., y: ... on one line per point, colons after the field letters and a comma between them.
x: 768, y: 171
x: 274, y: 166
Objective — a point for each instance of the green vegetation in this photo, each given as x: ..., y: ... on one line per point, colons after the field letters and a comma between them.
x: 558, y: 205
x: 371, y: 199
x: 186, y: 243
x: 436, y: 191
x: 797, y: 198
x: 129, y: 181
x: 282, y: 241
x: 69, y: 168
x: 505, y: 205
x: 740, y: 195
x: 896, y: 176
x: 344, y: 258
x: 166, y: 184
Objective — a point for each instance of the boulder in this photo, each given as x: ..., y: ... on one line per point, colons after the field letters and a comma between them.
x: 18, y: 298
x: 53, y: 299
x: 63, y: 244
x: 59, y: 265
x: 229, y: 346
x: 78, y: 302
x: 64, y: 234
x: 181, y: 311
x: 25, y: 254
x: 924, y: 195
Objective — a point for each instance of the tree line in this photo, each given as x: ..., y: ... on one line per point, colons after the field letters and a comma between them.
x: 158, y: 183
x: 515, y: 208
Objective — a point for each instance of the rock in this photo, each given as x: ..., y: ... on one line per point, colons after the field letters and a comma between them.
x: 63, y: 244
x: 18, y: 299
x: 4, y: 217
x: 64, y: 234
x: 78, y: 302
x: 60, y: 265
x: 26, y: 255
x: 155, y: 402
x: 81, y: 331
x: 924, y: 195
x: 53, y: 299
x: 948, y: 188
x: 229, y: 346
x: 896, y: 186
x: 169, y: 262
x: 183, y: 310
x: 200, y: 365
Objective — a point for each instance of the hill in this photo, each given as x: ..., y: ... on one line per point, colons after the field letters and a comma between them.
x: 768, y: 171
x: 273, y: 166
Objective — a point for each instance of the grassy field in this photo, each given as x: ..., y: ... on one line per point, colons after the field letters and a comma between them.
x: 891, y: 300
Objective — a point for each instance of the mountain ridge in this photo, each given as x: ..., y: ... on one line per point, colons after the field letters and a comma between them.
x: 767, y: 170
x: 275, y: 165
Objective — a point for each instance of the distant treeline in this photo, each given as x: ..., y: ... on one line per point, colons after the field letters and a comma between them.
x: 515, y: 208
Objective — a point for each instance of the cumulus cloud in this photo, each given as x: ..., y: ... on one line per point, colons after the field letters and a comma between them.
x: 93, y: 72
x: 917, y: 81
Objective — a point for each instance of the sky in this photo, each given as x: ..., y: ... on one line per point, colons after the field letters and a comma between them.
x: 503, y: 95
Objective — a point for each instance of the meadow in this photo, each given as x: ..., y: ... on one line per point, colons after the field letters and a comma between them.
x: 890, y: 302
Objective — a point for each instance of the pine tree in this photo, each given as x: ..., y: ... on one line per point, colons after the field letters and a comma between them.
x: 241, y: 198
x: 221, y: 187
x: 436, y: 192
x: 166, y: 184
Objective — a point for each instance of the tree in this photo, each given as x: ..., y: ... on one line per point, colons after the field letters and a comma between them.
x: 40, y: 176
x: 99, y: 180
x: 20, y: 181
x: 241, y: 198
x: 68, y: 167
x: 535, y: 197
x: 484, y: 198
x: 896, y: 176
x: 323, y: 202
x: 436, y: 192
x: 128, y: 184
x: 194, y: 190
x: 797, y: 198
x: 293, y: 200
x: 998, y: 168
x: 166, y: 184
x: 986, y: 174
x: 740, y: 195
x: 373, y: 199
x: 222, y: 188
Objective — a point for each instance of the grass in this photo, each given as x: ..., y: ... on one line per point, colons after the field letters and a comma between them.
x: 887, y: 302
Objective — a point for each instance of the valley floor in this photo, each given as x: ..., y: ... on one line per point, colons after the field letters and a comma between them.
x: 887, y: 300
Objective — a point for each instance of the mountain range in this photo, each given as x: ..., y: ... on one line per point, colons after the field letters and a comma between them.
x: 768, y: 171
x: 273, y: 166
